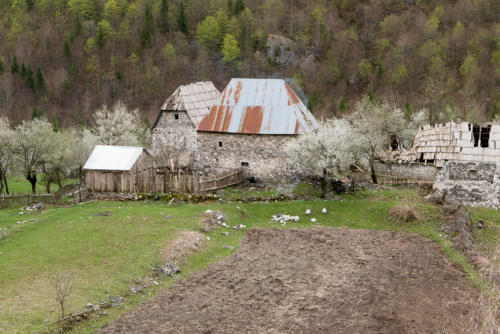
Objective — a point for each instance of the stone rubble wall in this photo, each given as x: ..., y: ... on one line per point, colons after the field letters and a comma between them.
x: 469, y: 183
x: 267, y: 161
x: 452, y: 142
x: 174, y: 132
x: 415, y: 171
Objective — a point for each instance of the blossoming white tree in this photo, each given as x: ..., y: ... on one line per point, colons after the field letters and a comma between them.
x: 6, y: 152
x: 374, y: 124
x: 324, y: 152
x: 34, y: 141
x: 119, y: 126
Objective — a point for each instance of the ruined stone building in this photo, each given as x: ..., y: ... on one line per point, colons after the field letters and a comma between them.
x: 249, y: 126
x: 174, y: 132
x: 463, y: 141
x: 469, y: 183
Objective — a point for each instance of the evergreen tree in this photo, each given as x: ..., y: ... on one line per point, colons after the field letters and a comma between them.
x: 55, y: 123
x: 163, y: 17
x: 14, y: 68
x: 23, y: 71
x: 36, y: 113
x: 2, y: 68
x: 147, y: 28
x: 66, y: 50
x: 40, y: 82
x: 29, y: 77
x: 181, y: 19
x: 29, y: 5
x: 239, y: 6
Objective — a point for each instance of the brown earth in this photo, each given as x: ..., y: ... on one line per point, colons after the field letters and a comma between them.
x: 315, y: 280
x: 183, y: 245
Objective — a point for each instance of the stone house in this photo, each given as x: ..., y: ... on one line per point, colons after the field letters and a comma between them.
x: 461, y: 141
x: 249, y: 126
x: 174, y: 131
x: 116, y: 168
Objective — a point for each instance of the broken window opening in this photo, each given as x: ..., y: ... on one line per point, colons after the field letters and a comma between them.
x: 176, y: 116
x: 485, y: 136
x: 476, y: 131
x: 220, y: 144
x: 421, y: 158
x: 244, y: 164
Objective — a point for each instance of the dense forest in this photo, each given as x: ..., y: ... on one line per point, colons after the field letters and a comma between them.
x: 66, y: 58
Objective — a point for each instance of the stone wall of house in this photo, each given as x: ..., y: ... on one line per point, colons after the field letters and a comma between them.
x: 415, y: 171
x: 472, y: 184
x: 176, y: 134
x: 261, y: 157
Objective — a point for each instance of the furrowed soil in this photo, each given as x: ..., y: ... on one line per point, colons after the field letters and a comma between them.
x: 315, y: 280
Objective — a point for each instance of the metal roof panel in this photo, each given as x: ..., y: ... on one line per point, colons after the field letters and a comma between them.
x: 106, y: 157
x: 258, y: 106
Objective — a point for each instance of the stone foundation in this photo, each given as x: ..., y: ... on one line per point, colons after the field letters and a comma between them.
x: 415, y: 171
x: 471, y: 184
x: 261, y: 157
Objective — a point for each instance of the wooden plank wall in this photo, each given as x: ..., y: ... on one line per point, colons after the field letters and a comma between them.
x: 149, y: 180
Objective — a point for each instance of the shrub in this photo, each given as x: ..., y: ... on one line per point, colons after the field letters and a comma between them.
x: 405, y: 213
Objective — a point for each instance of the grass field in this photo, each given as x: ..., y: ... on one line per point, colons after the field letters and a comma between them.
x: 106, y: 254
x: 18, y: 185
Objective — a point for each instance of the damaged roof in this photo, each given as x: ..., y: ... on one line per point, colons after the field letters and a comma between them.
x: 258, y: 106
x: 116, y: 158
x: 195, y: 98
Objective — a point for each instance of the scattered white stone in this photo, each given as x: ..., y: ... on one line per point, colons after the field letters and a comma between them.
x: 323, y: 210
x: 283, y: 219
x: 208, y: 238
x: 225, y: 233
x: 308, y: 212
x: 208, y: 212
x: 313, y: 220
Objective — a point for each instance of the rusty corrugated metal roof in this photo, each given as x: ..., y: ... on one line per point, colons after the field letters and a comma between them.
x: 258, y: 106
x: 195, y: 98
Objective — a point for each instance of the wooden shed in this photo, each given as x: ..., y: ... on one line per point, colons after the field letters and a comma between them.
x: 117, y: 169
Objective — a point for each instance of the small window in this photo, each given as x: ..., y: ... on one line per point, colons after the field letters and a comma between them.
x: 176, y: 116
x: 244, y: 164
x: 220, y: 144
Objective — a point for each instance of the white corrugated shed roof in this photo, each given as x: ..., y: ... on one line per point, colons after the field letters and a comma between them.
x: 105, y: 157
x: 195, y: 98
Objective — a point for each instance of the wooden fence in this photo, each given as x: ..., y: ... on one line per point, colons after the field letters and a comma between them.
x: 152, y: 180
x: 18, y: 201
x: 222, y: 180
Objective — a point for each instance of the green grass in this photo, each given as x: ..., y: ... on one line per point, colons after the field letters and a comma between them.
x: 18, y: 185
x: 107, y: 253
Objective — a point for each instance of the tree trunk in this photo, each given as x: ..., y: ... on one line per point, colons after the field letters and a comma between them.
x: 323, y: 184
x: 6, y: 185
x: 1, y: 183
x: 372, y: 169
x: 32, y: 179
x: 47, y: 186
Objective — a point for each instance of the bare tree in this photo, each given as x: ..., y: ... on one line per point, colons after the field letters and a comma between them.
x: 62, y: 283
x: 324, y: 152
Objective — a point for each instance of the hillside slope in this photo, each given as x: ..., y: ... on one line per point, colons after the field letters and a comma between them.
x: 68, y: 57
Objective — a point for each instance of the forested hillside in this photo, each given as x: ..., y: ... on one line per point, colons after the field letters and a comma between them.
x: 65, y: 58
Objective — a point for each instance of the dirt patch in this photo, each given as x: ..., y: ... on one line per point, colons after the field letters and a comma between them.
x: 315, y: 280
x: 186, y: 243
